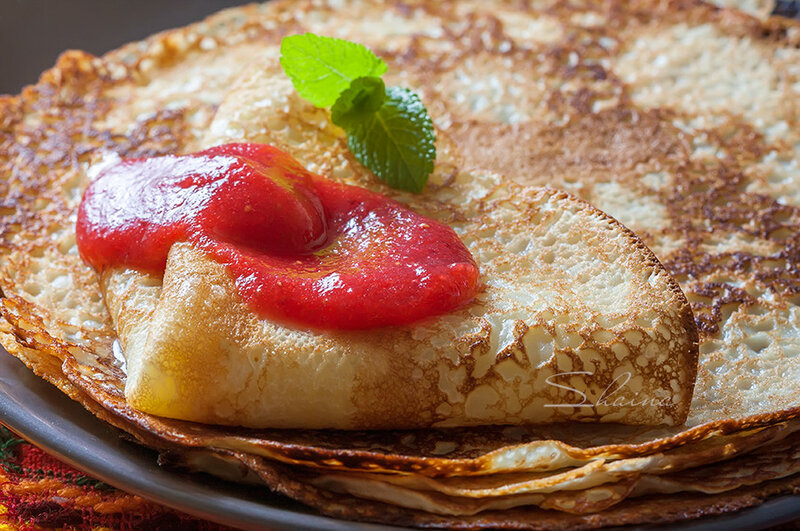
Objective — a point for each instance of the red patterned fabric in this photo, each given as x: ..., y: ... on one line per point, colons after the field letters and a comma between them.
x: 39, y: 492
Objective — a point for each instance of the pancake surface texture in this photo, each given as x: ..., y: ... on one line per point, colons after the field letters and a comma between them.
x: 678, y: 119
x: 570, y: 297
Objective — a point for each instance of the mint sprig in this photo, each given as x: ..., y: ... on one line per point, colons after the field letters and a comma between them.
x: 388, y: 128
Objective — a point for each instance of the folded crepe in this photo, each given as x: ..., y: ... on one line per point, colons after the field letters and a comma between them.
x: 577, y: 319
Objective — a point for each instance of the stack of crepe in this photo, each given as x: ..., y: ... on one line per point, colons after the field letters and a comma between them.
x: 679, y: 119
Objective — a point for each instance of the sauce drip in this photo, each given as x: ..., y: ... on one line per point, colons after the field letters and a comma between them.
x: 303, y: 250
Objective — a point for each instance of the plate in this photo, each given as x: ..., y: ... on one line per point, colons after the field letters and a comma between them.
x: 45, y: 416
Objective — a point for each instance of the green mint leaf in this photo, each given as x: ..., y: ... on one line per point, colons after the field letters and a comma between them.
x: 388, y: 129
x: 321, y: 68
x: 359, y: 102
x: 397, y: 142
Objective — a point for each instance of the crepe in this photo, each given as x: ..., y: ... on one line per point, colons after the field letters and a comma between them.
x: 758, y: 8
x: 658, y: 509
x: 571, y: 300
x: 617, y: 101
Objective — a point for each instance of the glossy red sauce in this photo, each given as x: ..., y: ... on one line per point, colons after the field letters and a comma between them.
x: 303, y: 250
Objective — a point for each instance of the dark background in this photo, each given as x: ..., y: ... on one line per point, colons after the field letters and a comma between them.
x: 34, y: 32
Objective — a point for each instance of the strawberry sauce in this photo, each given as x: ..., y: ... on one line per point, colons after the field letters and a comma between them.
x: 303, y: 250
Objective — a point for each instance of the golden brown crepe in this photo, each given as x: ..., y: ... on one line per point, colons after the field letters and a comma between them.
x: 678, y: 119
x: 574, y: 310
x: 585, y: 307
